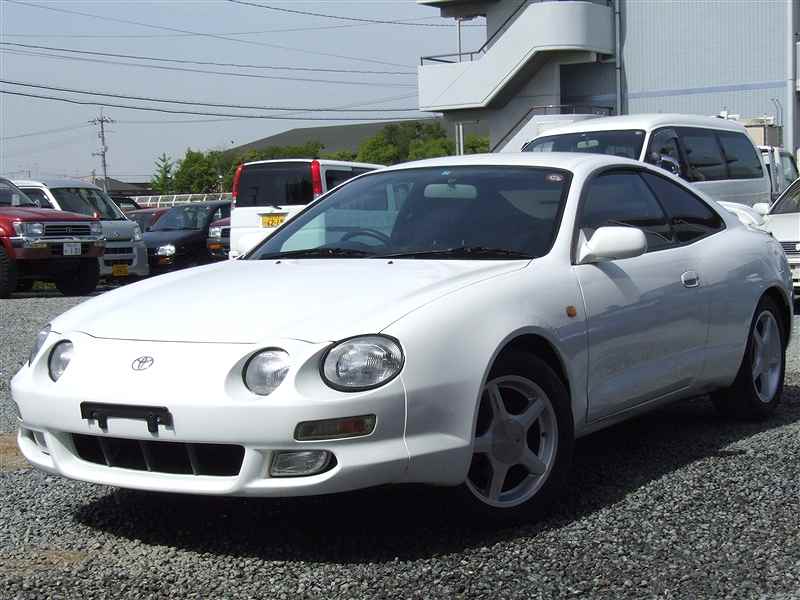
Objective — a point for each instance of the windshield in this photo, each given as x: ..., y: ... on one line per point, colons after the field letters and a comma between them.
x: 87, y: 201
x: 187, y: 217
x: 11, y: 195
x: 788, y: 203
x: 275, y: 184
x: 443, y: 212
x: 625, y: 143
x: 143, y: 219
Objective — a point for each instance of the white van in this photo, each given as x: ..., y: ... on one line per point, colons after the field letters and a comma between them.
x: 781, y: 168
x: 715, y: 155
x: 267, y: 192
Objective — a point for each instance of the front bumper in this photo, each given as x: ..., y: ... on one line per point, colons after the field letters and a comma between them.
x: 124, y: 259
x: 209, y: 406
x: 26, y: 248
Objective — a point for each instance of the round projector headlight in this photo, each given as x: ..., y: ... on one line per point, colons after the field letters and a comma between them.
x: 265, y: 371
x: 41, y: 337
x: 362, y: 363
x: 60, y: 356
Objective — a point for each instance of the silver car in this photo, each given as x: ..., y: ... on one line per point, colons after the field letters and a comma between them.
x: 125, y: 254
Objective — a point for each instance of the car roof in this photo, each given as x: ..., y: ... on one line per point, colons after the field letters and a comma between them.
x: 322, y: 161
x: 645, y: 122
x: 54, y: 183
x: 571, y: 161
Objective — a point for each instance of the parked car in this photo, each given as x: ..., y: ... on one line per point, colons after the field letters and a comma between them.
x: 219, y: 238
x: 46, y: 245
x: 178, y: 239
x: 125, y: 203
x: 462, y: 337
x: 783, y: 220
x: 267, y: 192
x: 125, y: 253
x: 715, y: 155
x: 781, y: 168
x: 147, y: 217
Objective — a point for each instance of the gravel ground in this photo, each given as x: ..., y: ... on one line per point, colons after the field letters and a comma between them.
x: 678, y: 504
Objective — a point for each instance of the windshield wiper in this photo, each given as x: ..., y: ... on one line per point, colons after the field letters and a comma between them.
x: 324, y: 252
x: 476, y: 252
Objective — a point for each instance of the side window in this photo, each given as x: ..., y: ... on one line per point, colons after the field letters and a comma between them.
x: 663, y: 152
x: 741, y: 157
x: 703, y: 154
x: 337, y: 176
x: 37, y: 195
x: 623, y: 198
x: 690, y: 217
x: 789, y: 168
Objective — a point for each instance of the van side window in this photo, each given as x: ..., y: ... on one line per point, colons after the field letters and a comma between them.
x: 622, y: 198
x: 663, y: 152
x: 690, y: 217
x: 334, y: 177
x: 704, y: 155
x: 743, y: 162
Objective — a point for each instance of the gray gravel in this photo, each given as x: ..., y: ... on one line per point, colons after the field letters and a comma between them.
x: 678, y: 504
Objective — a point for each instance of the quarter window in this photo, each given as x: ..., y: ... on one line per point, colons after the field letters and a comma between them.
x: 689, y: 217
x: 334, y: 177
x: 623, y: 198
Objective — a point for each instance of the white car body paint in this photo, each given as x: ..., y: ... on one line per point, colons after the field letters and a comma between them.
x: 637, y: 331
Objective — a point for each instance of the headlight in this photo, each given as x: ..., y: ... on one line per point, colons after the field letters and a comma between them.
x: 265, y: 371
x: 215, y: 232
x: 96, y: 227
x: 29, y: 229
x: 362, y: 363
x: 166, y: 250
x: 41, y: 337
x: 60, y: 356
x: 137, y: 234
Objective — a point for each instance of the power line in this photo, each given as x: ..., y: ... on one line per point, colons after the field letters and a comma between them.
x: 42, y: 132
x: 207, y: 72
x: 203, y: 62
x: 339, y: 17
x: 203, y: 34
x: 208, y: 114
x: 197, y: 103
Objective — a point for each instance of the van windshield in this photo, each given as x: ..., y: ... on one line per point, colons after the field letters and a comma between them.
x: 87, y: 201
x: 624, y: 143
x: 275, y: 184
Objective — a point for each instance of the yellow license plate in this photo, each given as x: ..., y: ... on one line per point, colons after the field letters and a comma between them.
x: 272, y: 220
x: 119, y: 270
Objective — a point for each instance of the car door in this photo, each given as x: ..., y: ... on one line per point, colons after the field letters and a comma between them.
x: 646, y: 330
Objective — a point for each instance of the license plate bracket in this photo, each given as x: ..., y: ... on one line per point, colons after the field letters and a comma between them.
x: 152, y: 415
x: 72, y: 249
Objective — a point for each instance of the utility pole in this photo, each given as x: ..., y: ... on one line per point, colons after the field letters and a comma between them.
x: 102, y: 120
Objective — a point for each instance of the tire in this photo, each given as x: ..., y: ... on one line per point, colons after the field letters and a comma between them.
x: 522, y: 457
x: 25, y: 285
x: 82, y: 281
x: 757, y: 389
x: 8, y: 275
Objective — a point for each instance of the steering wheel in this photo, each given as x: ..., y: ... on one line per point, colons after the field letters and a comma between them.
x: 373, y: 233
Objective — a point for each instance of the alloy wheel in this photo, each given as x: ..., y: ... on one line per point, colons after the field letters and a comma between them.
x: 767, y: 356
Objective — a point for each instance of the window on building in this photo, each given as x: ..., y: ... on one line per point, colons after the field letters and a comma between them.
x: 689, y: 217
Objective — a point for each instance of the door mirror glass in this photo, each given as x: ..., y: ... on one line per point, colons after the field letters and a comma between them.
x: 611, y: 243
x: 761, y: 208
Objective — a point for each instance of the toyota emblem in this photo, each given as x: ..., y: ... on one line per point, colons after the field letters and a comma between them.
x: 142, y: 363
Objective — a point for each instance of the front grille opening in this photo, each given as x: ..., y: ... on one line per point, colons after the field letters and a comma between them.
x: 221, y: 460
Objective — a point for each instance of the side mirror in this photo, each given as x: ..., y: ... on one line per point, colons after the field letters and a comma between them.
x: 611, y: 243
x: 761, y: 208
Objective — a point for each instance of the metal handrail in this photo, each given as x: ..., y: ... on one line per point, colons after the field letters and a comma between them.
x: 441, y: 58
x: 553, y: 109
x: 173, y: 199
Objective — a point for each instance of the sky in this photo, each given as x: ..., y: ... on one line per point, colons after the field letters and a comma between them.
x: 45, y: 137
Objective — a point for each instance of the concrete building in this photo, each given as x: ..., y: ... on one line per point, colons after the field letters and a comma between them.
x: 550, y: 61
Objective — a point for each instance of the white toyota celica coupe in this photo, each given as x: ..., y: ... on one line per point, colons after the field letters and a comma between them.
x: 455, y: 321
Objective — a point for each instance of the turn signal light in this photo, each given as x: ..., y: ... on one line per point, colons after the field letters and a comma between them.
x: 335, y: 429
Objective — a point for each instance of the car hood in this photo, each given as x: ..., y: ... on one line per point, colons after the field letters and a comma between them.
x: 238, y: 301
x: 785, y: 227
x: 40, y: 214
x: 154, y: 239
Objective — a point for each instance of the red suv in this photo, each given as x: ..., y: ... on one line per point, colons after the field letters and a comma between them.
x: 38, y: 244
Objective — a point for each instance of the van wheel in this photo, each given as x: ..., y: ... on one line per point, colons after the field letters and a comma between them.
x: 758, y: 386
x: 82, y: 281
x: 8, y: 275
x: 523, y: 441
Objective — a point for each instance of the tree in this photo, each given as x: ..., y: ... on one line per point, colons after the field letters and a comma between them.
x: 196, y: 174
x: 476, y: 144
x: 162, y: 178
x: 399, y: 142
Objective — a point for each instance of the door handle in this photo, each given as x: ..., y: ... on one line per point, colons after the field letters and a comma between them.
x: 690, y: 279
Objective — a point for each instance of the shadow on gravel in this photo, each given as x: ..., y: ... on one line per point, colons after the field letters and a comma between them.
x: 409, y: 522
